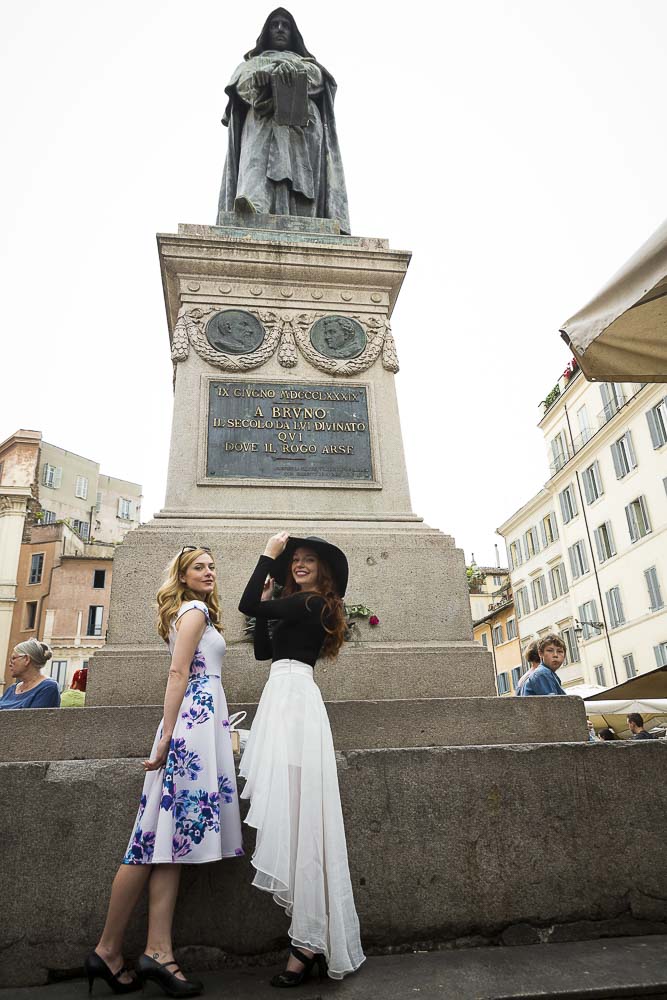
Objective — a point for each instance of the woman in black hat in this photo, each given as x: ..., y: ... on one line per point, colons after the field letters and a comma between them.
x: 289, y: 762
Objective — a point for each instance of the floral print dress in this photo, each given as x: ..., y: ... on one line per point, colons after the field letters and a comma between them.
x: 189, y: 810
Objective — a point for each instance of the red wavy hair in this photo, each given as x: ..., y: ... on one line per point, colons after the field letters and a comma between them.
x: 333, y: 618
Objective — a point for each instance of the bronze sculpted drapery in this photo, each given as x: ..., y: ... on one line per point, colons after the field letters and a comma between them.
x: 274, y: 168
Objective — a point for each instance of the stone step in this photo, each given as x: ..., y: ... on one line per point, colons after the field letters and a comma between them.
x: 628, y: 967
x: 460, y: 845
x: 137, y: 674
x: 113, y: 731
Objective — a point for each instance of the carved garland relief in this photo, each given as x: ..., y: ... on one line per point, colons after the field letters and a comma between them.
x: 237, y: 340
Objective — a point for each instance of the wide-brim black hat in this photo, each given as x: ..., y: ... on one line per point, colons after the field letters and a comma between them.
x: 331, y: 554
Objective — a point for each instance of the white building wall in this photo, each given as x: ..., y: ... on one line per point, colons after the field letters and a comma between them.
x: 111, y: 507
x: 589, y: 425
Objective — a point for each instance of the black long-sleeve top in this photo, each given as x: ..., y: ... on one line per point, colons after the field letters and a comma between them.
x: 299, y: 633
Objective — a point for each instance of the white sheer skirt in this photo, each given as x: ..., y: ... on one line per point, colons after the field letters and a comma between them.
x: 300, y: 856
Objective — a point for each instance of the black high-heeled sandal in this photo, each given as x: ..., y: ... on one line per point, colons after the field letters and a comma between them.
x: 158, y: 972
x: 287, y: 978
x: 97, y: 968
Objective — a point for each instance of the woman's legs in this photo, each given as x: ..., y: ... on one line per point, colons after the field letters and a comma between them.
x: 125, y: 891
x: 162, y: 894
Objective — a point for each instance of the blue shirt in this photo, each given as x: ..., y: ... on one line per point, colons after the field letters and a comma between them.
x: 45, y: 695
x: 543, y: 680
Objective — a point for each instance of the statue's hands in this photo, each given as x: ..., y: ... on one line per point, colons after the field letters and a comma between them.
x: 285, y: 72
x: 262, y: 78
x: 267, y: 589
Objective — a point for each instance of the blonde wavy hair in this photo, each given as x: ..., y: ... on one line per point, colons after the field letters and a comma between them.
x: 174, y: 592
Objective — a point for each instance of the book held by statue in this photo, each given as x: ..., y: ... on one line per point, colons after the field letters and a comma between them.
x: 290, y: 101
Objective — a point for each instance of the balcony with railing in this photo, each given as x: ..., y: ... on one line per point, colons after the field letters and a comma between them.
x: 610, y: 410
x: 564, y: 450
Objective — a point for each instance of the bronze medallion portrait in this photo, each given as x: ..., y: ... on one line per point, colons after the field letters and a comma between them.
x: 234, y: 332
x: 338, y: 337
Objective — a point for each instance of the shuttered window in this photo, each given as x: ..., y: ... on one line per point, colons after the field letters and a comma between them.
x: 629, y: 664
x: 522, y: 602
x: 638, y: 519
x: 503, y: 683
x: 653, y: 585
x: 615, y: 607
x: 623, y: 455
x: 604, y: 541
x: 549, y: 529
x: 568, y: 504
x: 592, y: 481
x: 657, y: 423
x: 558, y: 581
x: 587, y: 613
x: 52, y: 476
x: 539, y: 589
x: 578, y: 559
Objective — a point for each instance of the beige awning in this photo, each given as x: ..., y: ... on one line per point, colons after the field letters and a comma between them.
x: 621, y: 335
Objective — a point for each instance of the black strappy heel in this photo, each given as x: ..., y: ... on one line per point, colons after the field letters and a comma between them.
x: 97, y: 968
x: 286, y: 979
x: 149, y: 969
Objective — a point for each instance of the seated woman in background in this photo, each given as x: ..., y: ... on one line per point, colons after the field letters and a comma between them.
x: 32, y: 689
x: 75, y: 696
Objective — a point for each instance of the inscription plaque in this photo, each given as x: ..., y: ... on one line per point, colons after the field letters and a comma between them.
x: 288, y: 431
x: 234, y: 331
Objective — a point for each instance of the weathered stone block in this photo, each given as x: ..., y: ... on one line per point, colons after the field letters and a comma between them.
x: 443, y: 843
x: 116, y: 732
x: 122, y: 674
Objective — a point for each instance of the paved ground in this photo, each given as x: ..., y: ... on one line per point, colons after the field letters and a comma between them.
x: 617, y: 967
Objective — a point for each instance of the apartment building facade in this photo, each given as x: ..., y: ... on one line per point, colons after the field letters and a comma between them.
x: 44, y: 486
x: 497, y: 631
x: 62, y: 597
x: 96, y: 506
x: 588, y: 553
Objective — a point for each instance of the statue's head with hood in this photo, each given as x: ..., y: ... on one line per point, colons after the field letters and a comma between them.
x: 280, y: 34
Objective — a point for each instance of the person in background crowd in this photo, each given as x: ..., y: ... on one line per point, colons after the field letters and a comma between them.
x: 543, y: 680
x: 592, y: 738
x: 32, y: 689
x: 607, y: 735
x: 636, y: 727
x: 533, y: 660
x: 76, y: 696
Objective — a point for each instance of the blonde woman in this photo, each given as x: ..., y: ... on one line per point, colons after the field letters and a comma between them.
x: 189, y: 812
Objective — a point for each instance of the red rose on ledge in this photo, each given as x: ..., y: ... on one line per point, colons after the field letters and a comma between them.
x: 373, y: 620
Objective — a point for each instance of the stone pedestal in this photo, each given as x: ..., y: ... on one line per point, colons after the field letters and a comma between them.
x: 285, y: 418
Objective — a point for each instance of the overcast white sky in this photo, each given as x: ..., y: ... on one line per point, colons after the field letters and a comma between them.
x: 517, y: 148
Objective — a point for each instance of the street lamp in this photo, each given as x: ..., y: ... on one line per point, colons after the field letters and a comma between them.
x: 578, y: 627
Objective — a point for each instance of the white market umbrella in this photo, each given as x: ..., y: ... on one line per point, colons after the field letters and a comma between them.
x: 645, y: 706
x: 621, y: 335
x: 614, y: 712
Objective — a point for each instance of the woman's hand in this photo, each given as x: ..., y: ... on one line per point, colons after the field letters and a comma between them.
x: 276, y: 544
x: 267, y: 590
x: 161, y: 754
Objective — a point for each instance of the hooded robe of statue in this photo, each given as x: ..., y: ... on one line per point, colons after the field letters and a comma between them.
x: 282, y: 169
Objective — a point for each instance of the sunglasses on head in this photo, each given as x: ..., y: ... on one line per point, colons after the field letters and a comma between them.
x: 192, y: 548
